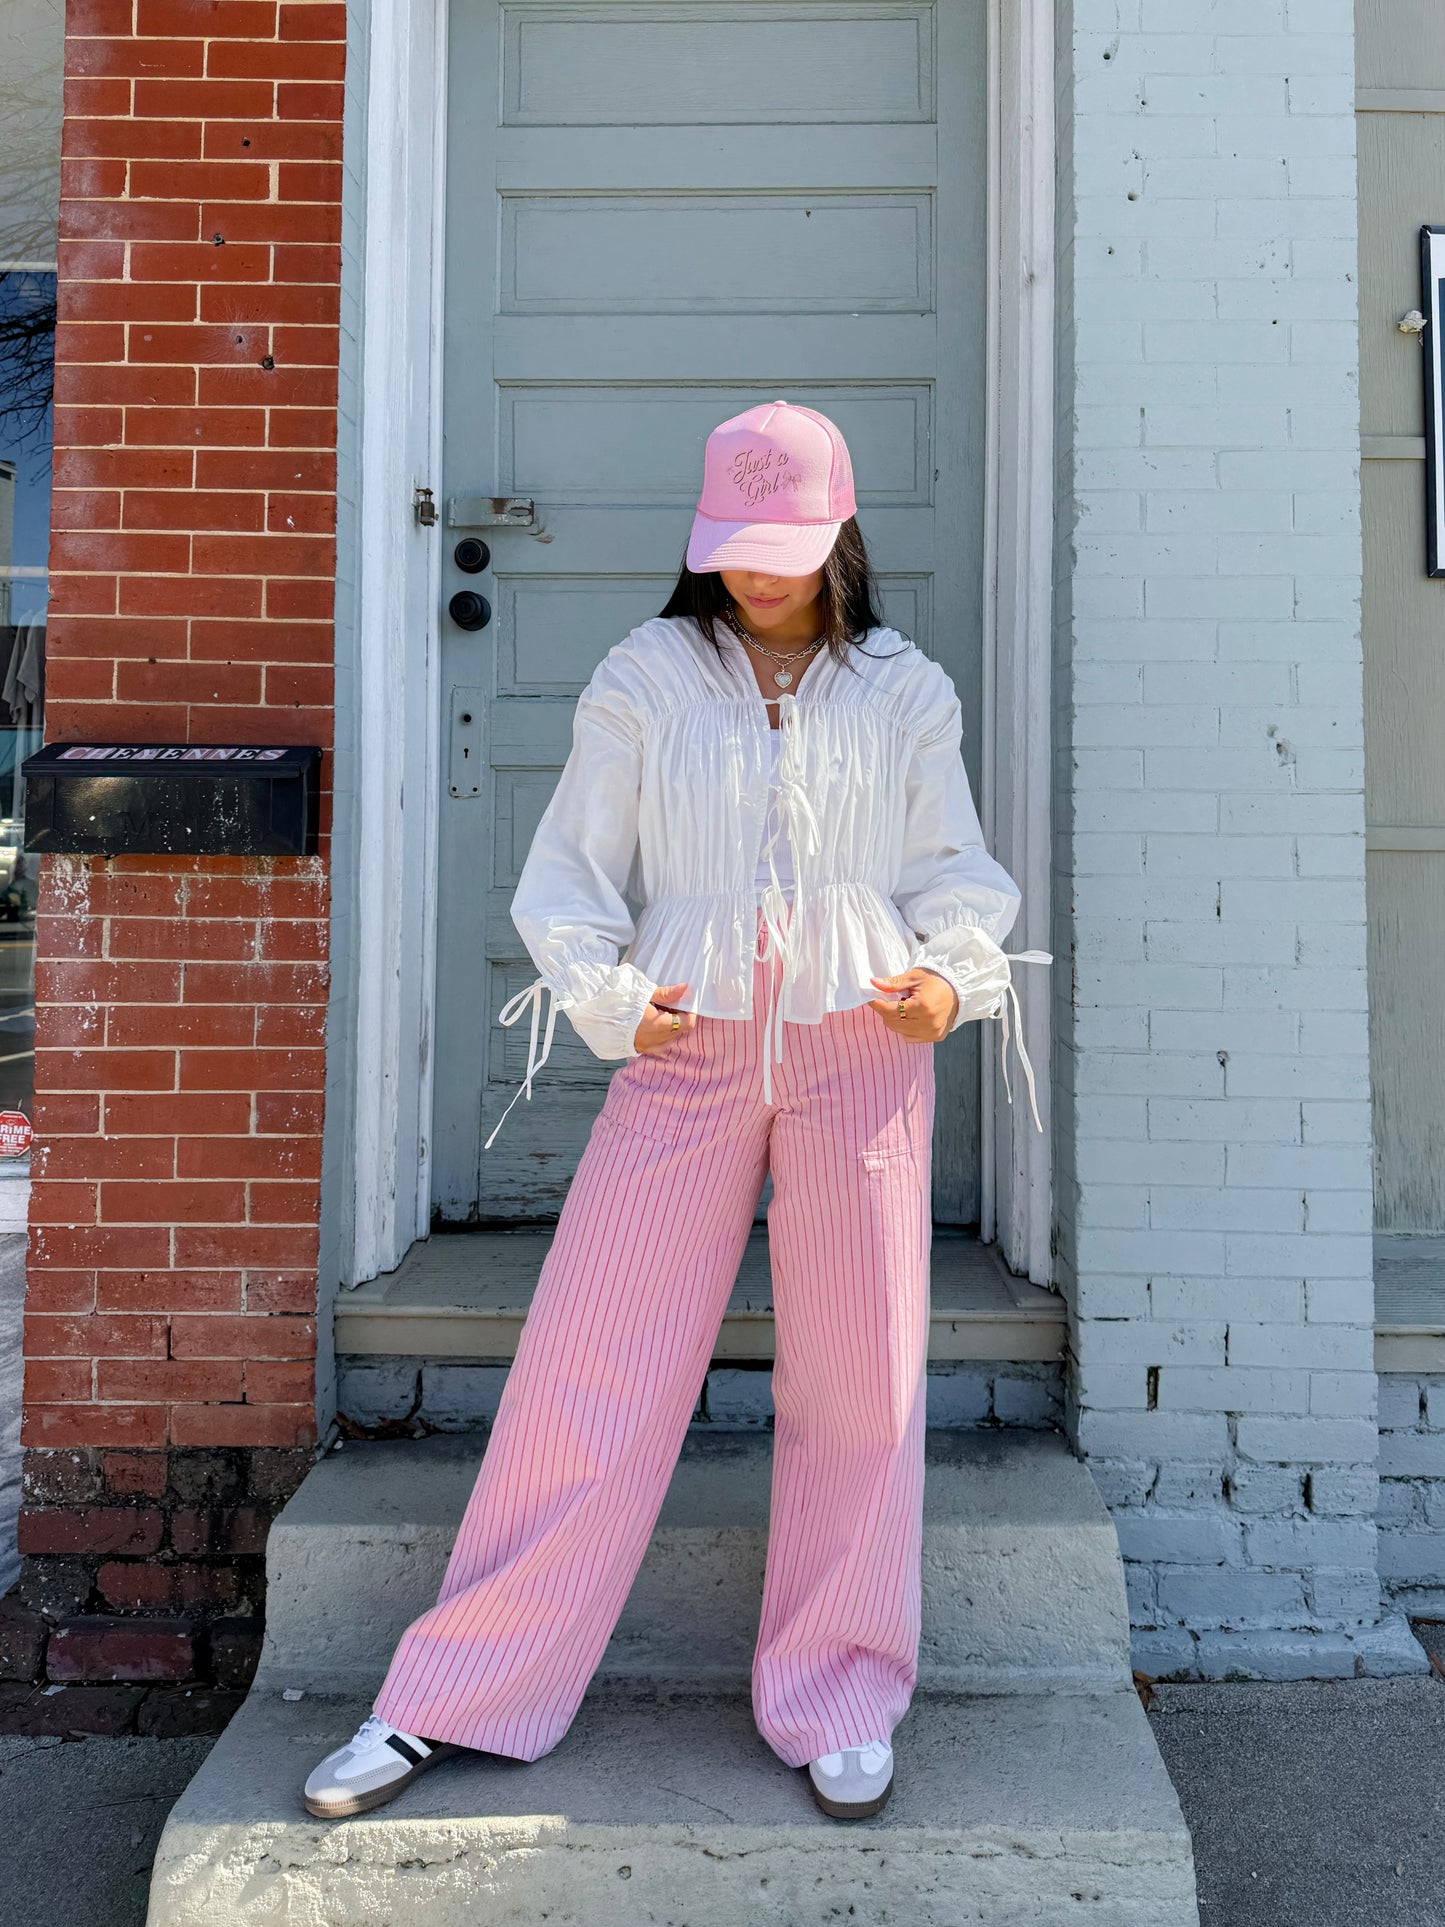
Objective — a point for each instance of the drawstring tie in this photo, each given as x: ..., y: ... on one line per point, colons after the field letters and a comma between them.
x: 511, y: 1013
x: 773, y: 910
x: 790, y: 804
x: 1011, y: 996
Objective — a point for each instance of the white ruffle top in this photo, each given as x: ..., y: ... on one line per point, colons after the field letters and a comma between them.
x: 643, y: 868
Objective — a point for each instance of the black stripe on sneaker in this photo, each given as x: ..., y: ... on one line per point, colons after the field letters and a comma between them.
x: 406, y: 1749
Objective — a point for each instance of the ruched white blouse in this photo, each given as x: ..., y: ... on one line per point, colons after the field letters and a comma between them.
x: 643, y: 869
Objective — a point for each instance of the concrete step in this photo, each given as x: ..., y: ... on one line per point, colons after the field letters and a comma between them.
x: 1029, y: 1787
x: 669, y: 1811
x: 1023, y: 1588
x: 466, y: 1295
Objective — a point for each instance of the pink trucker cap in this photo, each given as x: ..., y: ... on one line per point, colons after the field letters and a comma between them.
x: 777, y: 485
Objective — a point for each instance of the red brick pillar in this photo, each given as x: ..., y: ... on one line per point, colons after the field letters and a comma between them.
x: 170, y: 1333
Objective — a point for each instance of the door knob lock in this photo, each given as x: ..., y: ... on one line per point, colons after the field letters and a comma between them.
x: 468, y: 610
x: 471, y: 555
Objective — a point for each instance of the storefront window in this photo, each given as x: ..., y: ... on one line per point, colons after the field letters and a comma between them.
x: 30, y: 106
x: 27, y: 332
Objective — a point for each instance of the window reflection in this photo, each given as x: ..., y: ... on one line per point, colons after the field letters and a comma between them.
x: 27, y: 330
x: 31, y: 42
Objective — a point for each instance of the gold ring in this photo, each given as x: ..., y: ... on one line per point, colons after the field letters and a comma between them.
x: 676, y: 1023
x: 902, y: 1006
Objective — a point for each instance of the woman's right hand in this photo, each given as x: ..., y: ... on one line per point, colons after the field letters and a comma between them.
x: 661, y: 1024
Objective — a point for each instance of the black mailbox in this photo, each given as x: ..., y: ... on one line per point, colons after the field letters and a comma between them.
x: 172, y: 799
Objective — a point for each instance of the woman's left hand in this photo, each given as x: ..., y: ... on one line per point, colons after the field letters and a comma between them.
x: 919, y: 1005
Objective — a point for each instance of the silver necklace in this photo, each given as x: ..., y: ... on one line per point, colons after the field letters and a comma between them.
x: 782, y: 675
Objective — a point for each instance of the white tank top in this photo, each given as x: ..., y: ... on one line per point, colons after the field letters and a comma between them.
x: 776, y: 828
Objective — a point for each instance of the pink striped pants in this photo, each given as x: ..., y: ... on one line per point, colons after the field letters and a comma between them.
x: 612, y: 1359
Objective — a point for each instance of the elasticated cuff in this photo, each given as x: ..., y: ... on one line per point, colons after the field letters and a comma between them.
x: 605, y: 1003
x: 967, y: 958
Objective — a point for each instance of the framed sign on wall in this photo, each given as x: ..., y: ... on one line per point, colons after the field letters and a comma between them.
x: 1432, y: 301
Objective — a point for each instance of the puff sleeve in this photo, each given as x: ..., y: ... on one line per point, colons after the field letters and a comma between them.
x: 959, y: 903
x: 569, y: 905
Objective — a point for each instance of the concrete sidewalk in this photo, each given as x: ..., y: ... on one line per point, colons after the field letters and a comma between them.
x: 80, y: 1820
x: 1319, y: 1804
x: 1312, y: 1805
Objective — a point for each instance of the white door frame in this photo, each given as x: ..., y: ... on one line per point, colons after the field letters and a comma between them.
x: 395, y: 702
x: 1017, y: 773
x: 399, y: 749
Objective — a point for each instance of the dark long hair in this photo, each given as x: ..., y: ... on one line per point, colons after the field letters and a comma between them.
x: 848, y: 599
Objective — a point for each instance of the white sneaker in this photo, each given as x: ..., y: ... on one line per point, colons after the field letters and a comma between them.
x: 370, y: 1770
x: 855, y: 1783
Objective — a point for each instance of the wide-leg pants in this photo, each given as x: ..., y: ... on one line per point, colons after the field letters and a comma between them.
x: 611, y: 1362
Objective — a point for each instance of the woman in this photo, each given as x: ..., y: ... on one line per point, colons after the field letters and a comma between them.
x: 776, y: 778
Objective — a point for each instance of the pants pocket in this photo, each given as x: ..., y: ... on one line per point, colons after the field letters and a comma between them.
x: 884, y: 1160
x: 658, y: 1094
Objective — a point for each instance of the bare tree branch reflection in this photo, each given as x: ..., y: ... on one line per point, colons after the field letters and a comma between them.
x: 31, y: 53
x: 27, y: 356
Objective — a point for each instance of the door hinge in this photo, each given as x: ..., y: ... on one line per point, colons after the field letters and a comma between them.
x: 425, y: 506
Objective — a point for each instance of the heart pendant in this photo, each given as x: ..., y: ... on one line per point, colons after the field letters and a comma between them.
x: 782, y: 677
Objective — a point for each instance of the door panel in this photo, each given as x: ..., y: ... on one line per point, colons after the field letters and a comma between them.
x: 692, y: 66
x: 714, y: 254
x: 680, y: 210
x: 612, y: 445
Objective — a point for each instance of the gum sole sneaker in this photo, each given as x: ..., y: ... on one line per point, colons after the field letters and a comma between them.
x: 853, y: 1784
x: 370, y: 1770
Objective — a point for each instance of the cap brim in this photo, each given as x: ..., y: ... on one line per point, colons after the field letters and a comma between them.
x: 768, y: 548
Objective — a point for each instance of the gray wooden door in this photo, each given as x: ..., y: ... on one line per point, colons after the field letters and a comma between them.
x: 1401, y: 126
x: 659, y: 213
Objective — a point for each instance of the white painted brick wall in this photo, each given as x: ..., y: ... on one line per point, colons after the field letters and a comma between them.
x: 1412, y: 1492
x: 376, y: 1396
x: 1215, y: 1203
